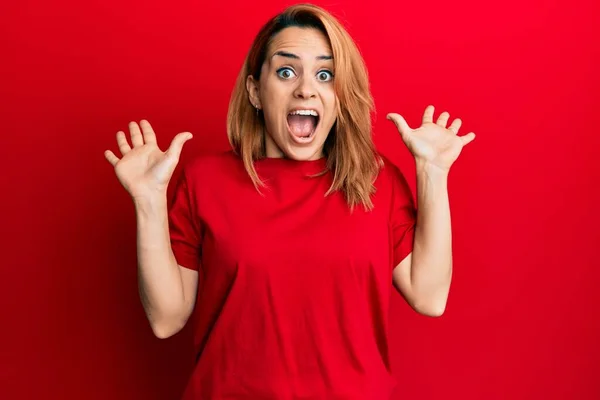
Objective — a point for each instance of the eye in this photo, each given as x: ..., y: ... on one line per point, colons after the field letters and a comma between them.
x: 285, y: 73
x: 325, y: 76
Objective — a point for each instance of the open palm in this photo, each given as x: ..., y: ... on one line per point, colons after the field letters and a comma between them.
x: 433, y: 142
x: 145, y: 170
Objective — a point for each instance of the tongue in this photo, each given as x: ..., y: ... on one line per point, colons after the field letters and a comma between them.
x: 301, y: 125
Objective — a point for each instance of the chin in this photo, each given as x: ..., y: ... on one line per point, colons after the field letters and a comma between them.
x: 303, y: 153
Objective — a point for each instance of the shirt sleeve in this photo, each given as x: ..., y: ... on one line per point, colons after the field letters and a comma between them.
x: 403, y: 215
x: 184, y: 226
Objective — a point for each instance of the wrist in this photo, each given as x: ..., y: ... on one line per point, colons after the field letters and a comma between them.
x: 149, y: 205
x: 432, y: 171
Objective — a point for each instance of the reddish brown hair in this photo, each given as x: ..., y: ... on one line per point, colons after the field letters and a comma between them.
x: 349, y: 148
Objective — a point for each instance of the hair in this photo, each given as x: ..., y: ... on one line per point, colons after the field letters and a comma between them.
x: 349, y: 148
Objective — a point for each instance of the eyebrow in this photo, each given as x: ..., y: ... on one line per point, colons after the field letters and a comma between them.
x: 295, y: 57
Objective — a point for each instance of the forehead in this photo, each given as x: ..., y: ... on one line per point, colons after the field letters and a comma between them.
x: 301, y: 41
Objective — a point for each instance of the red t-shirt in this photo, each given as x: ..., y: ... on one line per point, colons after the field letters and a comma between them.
x: 294, y: 289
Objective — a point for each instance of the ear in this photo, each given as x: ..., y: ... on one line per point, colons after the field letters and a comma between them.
x: 253, y: 91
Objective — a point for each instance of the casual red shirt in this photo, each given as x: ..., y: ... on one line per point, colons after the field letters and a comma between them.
x: 294, y: 289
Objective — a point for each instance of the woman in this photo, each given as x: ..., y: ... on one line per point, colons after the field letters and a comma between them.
x: 284, y: 248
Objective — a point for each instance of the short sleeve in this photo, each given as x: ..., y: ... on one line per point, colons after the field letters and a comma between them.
x: 184, y: 230
x: 403, y: 215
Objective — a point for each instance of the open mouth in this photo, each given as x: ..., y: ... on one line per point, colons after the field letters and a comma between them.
x: 302, y: 124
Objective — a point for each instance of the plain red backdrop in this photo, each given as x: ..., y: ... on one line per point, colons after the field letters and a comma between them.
x: 522, y: 317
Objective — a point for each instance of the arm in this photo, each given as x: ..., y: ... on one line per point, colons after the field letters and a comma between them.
x: 424, y: 276
x: 167, y: 290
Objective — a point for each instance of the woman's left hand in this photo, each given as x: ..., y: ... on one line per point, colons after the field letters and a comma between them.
x: 433, y: 143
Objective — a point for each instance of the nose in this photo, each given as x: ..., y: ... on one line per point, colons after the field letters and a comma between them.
x: 305, y: 89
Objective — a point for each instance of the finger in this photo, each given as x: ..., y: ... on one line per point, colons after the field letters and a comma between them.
x: 455, y: 126
x: 400, y: 123
x: 468, y: 138
x: 428, y: 114
x: 177, y: 144
x: 110, y: 156
x: 148, y: 132
x: 443, y: 119
x: 136, y: 135
x: 124, y: 147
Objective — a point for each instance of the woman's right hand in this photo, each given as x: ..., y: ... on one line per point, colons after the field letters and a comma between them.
x: 145, y: 170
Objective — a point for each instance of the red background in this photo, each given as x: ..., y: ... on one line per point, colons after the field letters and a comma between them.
x: 522, y: 317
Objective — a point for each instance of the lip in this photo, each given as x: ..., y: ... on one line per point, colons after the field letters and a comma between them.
x: 305, y: 109
x: 309, y: 139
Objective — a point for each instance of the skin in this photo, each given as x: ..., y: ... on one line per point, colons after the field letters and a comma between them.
x: 424, y: 276
x: 297, y: 73
x: 168, y: 290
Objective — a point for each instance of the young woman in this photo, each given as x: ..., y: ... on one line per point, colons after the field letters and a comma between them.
x: 287, y: 248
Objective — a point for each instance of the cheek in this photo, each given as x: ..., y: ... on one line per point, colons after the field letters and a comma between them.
x: 273, y: 104
x: 331, y: 106
x: 273, y: 110
x: 330, y: 99
x: 272, y: 91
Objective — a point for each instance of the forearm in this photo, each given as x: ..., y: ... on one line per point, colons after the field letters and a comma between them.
x: 159, y: 277
x: 431, y: 267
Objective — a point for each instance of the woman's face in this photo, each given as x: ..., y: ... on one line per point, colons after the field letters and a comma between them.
x: 296, y: 94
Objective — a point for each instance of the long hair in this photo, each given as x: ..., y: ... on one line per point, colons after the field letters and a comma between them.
x: 349, y: 148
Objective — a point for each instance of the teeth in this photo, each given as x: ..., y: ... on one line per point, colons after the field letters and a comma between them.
x: 305, y: 112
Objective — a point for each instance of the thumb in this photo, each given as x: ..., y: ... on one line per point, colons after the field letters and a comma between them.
x: 400, y: 123
x: 177, y: 143
x: 468, y: 138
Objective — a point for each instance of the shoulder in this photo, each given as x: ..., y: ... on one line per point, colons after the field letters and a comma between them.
x: 389, y: 173
x: 213, y: 168
x: 391, y: 182
x: 215, y: 174
x: 211, y: 164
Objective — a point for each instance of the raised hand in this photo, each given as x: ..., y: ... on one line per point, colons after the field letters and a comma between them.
x: 145, y: 170
x: 433, y: 143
